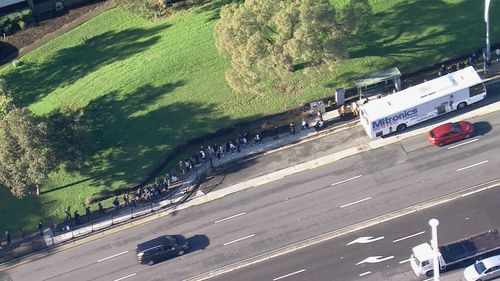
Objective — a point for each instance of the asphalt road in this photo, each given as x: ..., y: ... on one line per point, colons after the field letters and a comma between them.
x: 345, y: 259
x: 297, y: 207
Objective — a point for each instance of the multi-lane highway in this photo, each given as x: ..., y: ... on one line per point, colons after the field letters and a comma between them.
x: 380, y: 252
x: 292, y: 209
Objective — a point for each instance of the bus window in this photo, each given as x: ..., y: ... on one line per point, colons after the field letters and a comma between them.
x: 477, y: 90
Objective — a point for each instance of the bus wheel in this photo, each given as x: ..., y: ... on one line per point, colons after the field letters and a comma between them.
x: 440, y: 144
x: 429, y: 273
x: 401, y: 127
x: 461, y: 105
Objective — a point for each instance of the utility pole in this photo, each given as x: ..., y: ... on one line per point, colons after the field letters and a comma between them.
x: 434, y: 243
x: 487, y: 21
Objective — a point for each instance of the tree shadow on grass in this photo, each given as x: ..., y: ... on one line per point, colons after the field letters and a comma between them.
x: 33, y: 80
x: 128, y: 134
x: 215, y: 6
x: 433, y: 25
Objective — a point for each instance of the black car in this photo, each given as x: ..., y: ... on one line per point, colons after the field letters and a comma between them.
x: 161, y: 248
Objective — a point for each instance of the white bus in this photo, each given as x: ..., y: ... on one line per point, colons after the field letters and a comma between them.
x: 416, y: 104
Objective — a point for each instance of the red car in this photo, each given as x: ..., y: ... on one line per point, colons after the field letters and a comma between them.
x: 450, y: 132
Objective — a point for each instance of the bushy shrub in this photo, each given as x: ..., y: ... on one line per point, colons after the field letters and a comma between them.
x: 27, y: 17
x: 21, y: 24
x: 11, y: 22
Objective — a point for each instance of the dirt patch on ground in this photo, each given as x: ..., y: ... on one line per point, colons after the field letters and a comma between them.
x: 10, y: 46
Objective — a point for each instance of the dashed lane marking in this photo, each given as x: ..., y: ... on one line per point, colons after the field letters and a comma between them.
x: 125, y: 277
x: 473, y: 165
x: 365, y: 273
x: 346, y: 180
x: 407, y: 237
x: 230, y: 217
x: 460, y: 144
x: 289, y: 274
x: 113, y: 256
x: 239, y: 239
x: 355, y: 202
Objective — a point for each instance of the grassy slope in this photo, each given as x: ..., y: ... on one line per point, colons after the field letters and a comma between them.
x: 147, y: 87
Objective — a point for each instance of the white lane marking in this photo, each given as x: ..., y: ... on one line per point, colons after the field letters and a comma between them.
x: 407, y: 237
x: 239, y: 239
x: 404, y: 261
x: 125, y: 277
x: 289, y: 274
x: 375, y: 259
x: 464, y: 143
x: 365, y: 273
x: 364, y: 240
x: 231, y: 217
x: 473, y: 165
x: 113, y: 256
x: 346, y: 180
x: 356, y: 202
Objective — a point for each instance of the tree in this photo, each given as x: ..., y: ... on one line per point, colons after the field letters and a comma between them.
x: 6, y: 101
x: 148, y: 9
x: 142, y: 8
x: 25, y: 156
x: 268, y: 40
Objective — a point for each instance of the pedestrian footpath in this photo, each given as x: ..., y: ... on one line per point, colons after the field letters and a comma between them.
x: 273, y: 158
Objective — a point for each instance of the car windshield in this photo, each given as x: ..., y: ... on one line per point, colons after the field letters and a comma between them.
x: 456, y: 127
x: 480, y: 268
x: 171, y: 240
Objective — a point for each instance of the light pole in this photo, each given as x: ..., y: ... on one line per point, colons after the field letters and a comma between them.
x: 434, y: 243
x: 487, y: 21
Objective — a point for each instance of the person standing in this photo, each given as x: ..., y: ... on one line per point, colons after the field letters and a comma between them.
x: 354, y: 108
x: 39, y: 227
x: 88, y: 214
x: 77, y: 217
x: 101, y: 208
x: 7, y: 238
x: 23, y: 234
x: 342, y: 110
x: 68, y: 213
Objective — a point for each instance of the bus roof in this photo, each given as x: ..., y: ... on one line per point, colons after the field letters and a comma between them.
x: 421, y: 93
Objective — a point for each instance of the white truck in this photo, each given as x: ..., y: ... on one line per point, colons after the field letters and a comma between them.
x: 421, y: 258
x: 424, y: 101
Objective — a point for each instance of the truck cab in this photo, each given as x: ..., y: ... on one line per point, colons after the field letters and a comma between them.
x: 421, y: 259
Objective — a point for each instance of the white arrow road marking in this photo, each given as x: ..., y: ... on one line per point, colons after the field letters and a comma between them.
x: 364, y: 240
x: 375, y: 259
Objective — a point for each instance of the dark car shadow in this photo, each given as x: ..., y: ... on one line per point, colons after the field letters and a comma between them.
x: 481, y: 128
x: 198, y: 242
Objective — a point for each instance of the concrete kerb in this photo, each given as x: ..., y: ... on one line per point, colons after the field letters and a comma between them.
x: 346, y: 230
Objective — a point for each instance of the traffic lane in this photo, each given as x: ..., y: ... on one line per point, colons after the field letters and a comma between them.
x: 389, y: 160
x: 247, y: 169
x: 252, y: 167
x: 343, y: 257
x: 289, y: 218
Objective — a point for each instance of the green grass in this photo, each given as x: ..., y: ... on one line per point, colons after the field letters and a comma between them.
x: 147, y: 87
